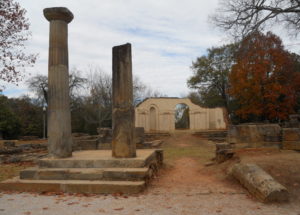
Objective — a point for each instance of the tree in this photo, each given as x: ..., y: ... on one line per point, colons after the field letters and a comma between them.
x: 142, y: 91
x: 39, y: 85
x: 182, y: 120
x: 99, y: 102
x: 264, y: 80
x: 210, y: 76
x: 14, y: 31
x: 9, y: 122
x: 30, y: 115
x: 242, y: 17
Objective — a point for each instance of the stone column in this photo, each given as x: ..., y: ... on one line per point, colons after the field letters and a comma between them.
x: 59, y: 115
x: 123, y: 145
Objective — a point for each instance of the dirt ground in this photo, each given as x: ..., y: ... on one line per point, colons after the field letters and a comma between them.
x: 184, y: 186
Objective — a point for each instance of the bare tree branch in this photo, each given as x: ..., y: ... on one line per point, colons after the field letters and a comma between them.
x: 242, y: 17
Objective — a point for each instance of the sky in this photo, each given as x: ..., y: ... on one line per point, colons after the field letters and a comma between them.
x: 166, y: 36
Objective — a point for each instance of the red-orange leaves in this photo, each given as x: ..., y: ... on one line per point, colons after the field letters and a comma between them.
x: 264, y: 79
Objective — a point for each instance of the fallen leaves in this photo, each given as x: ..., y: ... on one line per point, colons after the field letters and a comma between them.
x: 118, y: 209
x: 73, y: 203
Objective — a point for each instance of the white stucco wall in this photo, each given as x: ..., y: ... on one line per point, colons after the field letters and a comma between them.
x: 200, y: 118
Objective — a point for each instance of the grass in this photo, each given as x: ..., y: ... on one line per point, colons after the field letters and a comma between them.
x: 200, y: 153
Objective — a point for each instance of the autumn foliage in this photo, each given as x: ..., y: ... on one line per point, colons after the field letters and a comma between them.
x: 264, y: 80
x: 14, y: 32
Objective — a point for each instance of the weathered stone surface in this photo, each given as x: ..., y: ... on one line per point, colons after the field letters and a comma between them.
x: 224, y: 151
x: 105, y: 174
x: 157, y: 115
x: 85, y: 144
x: 139, y: 135
x: 101, y: 159
x: 259, y: 183
x: 29, y: 138
x: 291, y: 145
x: 291, y: 134
x: 73, y: 186
x: 9, y: 151
x: 254, y: 134
x: 294, y: 121
x: 59, y: 116
x: 123, y: 145
x: 105, y: 138
x: 9, y: 144
x: 89, y: 172
x: 58, y: 13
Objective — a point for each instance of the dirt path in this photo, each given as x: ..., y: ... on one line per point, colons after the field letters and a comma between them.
x: 188, y: 174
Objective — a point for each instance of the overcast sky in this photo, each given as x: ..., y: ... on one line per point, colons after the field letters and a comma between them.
x: 166, y: 36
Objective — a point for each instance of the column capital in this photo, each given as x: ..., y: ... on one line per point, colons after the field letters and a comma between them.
x: 58, y: 13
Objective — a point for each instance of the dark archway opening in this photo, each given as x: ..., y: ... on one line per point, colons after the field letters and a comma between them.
x: 182, y: 116
x: 152, y: 119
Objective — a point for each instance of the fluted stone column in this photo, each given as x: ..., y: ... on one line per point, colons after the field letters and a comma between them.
x: 123, y: 145
x: 59, y: 115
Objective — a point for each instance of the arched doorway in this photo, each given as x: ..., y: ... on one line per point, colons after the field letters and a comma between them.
x: 182, y: 116
x: 153, y: 119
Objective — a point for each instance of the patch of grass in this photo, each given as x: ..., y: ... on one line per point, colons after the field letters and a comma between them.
x: 200, y: 153
x: 8, y: 171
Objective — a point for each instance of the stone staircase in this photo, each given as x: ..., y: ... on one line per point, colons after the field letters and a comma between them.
x: 91, y: 172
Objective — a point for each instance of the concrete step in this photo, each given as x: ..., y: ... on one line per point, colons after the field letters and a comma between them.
x: 73, y: 186
x: 112, y: 174
x: 102, y: 159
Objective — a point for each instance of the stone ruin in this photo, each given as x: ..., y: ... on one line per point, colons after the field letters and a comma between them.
x: 103, y: 140
x: 254, y: 135
x: 120, y: 170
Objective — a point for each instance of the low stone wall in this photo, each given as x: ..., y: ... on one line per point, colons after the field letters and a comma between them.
x: 104, y: 139
x: 255, y: 135
x: 291, y: 138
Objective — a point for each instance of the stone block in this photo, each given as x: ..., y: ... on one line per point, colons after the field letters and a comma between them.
x: 291, y: 145
x: 259, y: 183
x: 100, y: 159
x: 252, y: 134
x: 139, y: 135
x: 105, y: 174
x: 73, y: 186
x: 9, y: 144
x: 224, y: 151
x: 290, y: 134
x: 85, y: 144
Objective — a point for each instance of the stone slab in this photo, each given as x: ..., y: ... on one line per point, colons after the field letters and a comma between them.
x: 291, y: 145
x: 291, y: 134
x: 112, y: 174
x: 252, y: 133
x: 73, y: 186
x: 101, y: 159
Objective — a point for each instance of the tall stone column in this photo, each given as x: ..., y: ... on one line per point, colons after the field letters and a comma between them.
x: 123, y: 145
x: 59, y: 115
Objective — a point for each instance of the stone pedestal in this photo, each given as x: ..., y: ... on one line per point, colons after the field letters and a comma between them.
x: 59, y: 116
x: 123, y: 145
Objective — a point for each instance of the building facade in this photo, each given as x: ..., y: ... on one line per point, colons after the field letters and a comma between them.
x: 158, y: 114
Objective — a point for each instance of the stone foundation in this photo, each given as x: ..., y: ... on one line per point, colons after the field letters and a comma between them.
x: 255, y: 135
x: 95, y: 172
